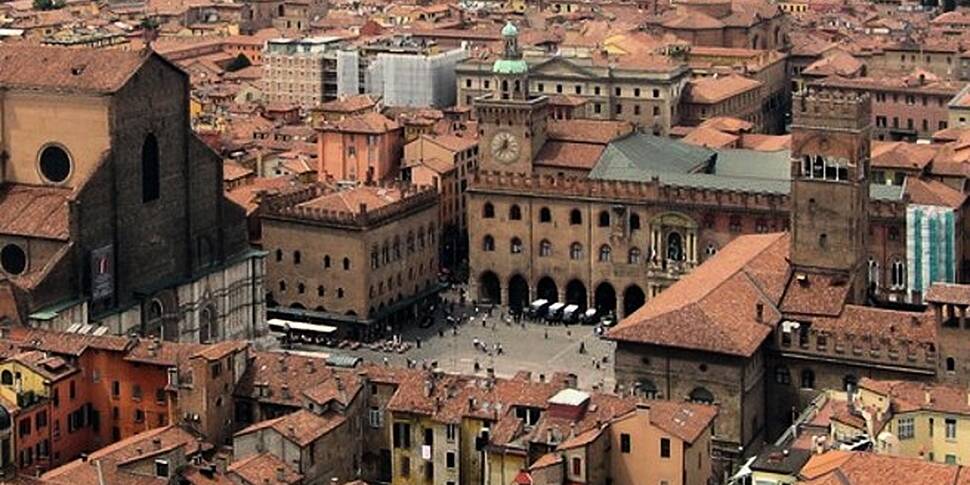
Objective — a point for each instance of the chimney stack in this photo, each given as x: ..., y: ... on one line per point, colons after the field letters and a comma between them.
x: 759, y: 312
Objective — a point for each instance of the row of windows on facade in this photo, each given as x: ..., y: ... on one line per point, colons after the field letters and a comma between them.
x: 545, y: 216
x: 906, y: 429
x: 298, y: 259
x: 882, y: 122
x: 400, y: 280
x: 577, y: 89
x: 881, y: 97
x: 391, y: 250
x: 897, y: 274
x: 604, y: 218
x: 675, y: 250
x: 301, y: 289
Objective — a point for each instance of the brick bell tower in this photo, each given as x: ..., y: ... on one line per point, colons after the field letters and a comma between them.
x: 512, y: 123
x: 831, y: 130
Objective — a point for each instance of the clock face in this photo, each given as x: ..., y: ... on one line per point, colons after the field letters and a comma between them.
x: 505, y: 147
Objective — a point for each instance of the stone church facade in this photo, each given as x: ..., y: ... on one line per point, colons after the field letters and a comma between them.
x: 114, y: 211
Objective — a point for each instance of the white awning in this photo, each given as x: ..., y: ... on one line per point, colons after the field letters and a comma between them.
x: 280, y: 325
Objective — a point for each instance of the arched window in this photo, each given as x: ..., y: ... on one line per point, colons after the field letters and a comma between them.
x: 545, y: 215
x: 873, y: 273
x: 515, y: 245
x: 604, y: 219
x: 207, y: 325
x: 279, y: 255
x: 606, y: 253
x: 701, y: 395
x: 898, y: 274
x: 951, y: 364
x: 488, y: 243
x: 675, y: 246
x: 346, y: 264
x: 488, y: 211
x: 282, y: 286
x: 296, y: 257
x: 575, y: 251
x: 782, y: 375
x: 320, y: 291
x: 155, y: 310
x: 515, y: 213
x: 410, y: 242
x: 375, y: 259
x: 634, y: 221
x: 150, y: 170
x: 575, y: 217
x: 326, y: 261
x: 711, y: 249
x: 6, y: 378
x: 893, y: 233
x: 808, y: 379
x: 545, y: 248
x: 396, y: 248
x: 634, y: 256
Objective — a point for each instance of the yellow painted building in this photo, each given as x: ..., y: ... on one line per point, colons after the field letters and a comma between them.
x: 917, y: 420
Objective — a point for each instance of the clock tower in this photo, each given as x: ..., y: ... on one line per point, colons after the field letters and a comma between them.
x: 512, y: 123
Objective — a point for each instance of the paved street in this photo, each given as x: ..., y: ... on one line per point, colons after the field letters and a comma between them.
x: 532, y: 346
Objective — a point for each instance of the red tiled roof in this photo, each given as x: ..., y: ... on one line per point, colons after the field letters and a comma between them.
x: 588, y: 131
x: 933, y: 192
x: 103, y: 71
x: 863, y: 468
x: 262, y: 468
x: 35, y: 211
x: 948, y: 293
x: 351, y: 200
x: 701, y: 310
x: 569, y: 155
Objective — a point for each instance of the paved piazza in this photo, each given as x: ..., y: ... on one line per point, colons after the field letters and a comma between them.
x: 531, y: 346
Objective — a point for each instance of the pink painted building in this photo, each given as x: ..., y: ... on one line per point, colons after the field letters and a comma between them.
x: 365, y: 148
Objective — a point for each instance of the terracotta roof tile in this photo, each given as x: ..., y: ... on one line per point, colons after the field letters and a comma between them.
x: 700, y: 311
x: 25, y: 66
x: 351, y: 200
x: 588, y: 131
x: 815, y: 294
x: 709, y: 90
x: 262, y: 468
x: 35, y: 211
x: 863, y: 468
x: 948, y: 293
x: 569, y: 155
x: 933, y: 192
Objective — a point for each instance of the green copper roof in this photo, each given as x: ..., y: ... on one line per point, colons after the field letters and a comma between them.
x: 510, y: 30
x: 510, y: 66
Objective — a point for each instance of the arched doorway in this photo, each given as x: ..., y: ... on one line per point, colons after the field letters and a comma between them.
x: 605, y: 298
x: 633, y: 298
x: 547, y: 289
x: 489, y: 290
x: 518, y: 292
x: 576, y: 293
